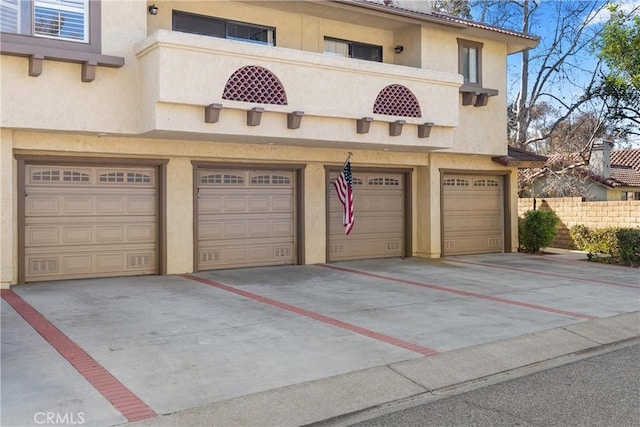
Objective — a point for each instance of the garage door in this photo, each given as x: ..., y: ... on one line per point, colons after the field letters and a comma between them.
x: 472, y: 214
x: 379, y: 212
x: 83, y: 222
x: 245, y: 218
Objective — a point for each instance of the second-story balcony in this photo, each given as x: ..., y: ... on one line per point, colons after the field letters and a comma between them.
x: 209, y: 88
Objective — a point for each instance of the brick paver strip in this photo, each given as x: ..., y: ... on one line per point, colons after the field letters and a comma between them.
x: 464, y: 293
x: 544, y: 273
x: 317, y: 316
x: 106, y: 384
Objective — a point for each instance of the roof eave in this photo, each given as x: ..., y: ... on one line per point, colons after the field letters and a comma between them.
x: 516, y: 43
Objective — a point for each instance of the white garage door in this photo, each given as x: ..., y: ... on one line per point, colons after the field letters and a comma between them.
x: 473, y: 219
x: 83, y: 222
x: 379, y: 226
x: 245, y: 218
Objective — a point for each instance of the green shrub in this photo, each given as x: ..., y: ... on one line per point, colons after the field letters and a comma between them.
x: 629, y: 244
x: 537, y: 230
x: 596, y: 241
x: 621, y: 244
x: 581, y: 236
x: 604, y: 241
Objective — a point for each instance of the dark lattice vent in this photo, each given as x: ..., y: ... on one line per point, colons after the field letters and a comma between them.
x: 255, y: 84
x: 397, y: 100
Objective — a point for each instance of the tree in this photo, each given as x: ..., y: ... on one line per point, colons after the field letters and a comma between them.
x: 552, y: 78
x: 619, y: 87
x: 459, y: 8
x: 575, y: 134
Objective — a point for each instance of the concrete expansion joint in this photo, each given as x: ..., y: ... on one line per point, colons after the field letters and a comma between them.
x: 408, y: 378
x: 582, y: 336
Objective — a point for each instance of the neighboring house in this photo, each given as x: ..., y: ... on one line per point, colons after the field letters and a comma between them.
x: 180, y: 136
x: 625, y: 168
x: 600, y: 175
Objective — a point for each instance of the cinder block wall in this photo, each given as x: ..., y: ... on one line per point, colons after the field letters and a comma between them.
x: 573, y: 210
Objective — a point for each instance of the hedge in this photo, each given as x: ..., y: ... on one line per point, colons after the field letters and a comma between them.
x: 622, y: 245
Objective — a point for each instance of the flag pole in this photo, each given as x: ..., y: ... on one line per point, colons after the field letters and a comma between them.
x: 348, y: 158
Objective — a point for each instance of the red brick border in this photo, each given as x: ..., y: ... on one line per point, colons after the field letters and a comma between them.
x: 106, y: 384
x: 317, y: 316
x: 543, y: 273
x: 465, y: 293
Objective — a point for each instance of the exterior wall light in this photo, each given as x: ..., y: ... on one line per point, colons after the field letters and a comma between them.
x: 398, y: 49
x: 153, y: 9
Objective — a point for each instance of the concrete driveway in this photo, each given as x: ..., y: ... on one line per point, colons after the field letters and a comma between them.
x: 245, y: 346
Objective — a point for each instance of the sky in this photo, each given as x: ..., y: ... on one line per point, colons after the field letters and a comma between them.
x: 571, y: 85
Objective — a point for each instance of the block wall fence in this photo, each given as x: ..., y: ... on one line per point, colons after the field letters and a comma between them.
x: 574, y: 210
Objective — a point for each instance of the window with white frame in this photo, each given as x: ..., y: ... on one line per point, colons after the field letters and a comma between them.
x: 65, y: 20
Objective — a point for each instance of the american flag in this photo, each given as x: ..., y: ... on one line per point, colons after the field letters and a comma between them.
x: 344, y: 187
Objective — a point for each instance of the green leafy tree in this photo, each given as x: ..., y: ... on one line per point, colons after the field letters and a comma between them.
x: 619, y: 88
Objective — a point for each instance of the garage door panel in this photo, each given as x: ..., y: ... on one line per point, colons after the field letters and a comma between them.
x: 378, y: 231
x: 89, y: 205
x: 245, y: 227
x: 368, y: 225
x: 235, y: 204
x: 80, y: 264
x: 67, y: 234
x: 140, y: 205
x: 472, y: 244
x: 105, y: 206
x: 478, y: 201
x: 77, y: 235
x: 234, y: 255
x: 379, y: 202
x: 209, y: 204
x: 282, y: 203
x: 89, y: 222
x: 138, y: 233
x: 473, y: 218
x: 109, y: 234
x: 42, y: 206
x: 365, y: 249
x: 245, y: 218
x: 471, y: 222
x: 73, y: 265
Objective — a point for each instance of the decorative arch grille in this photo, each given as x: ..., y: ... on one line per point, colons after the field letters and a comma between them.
x: 397, y: 100
x: 255, y: 84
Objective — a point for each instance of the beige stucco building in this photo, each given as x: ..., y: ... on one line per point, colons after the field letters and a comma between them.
x: 179, y: 136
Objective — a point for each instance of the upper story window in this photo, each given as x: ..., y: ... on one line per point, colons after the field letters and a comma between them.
x: 349, y: 49
x: 58, y: 30
x: 215, y: 27
x: 470, y: 61
x: 65, y: 20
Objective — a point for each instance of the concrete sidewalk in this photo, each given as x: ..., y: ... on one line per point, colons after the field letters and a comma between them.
x: 331, y: 401
x: 293, y: 345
